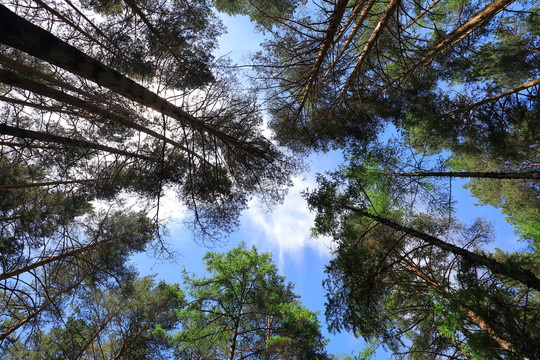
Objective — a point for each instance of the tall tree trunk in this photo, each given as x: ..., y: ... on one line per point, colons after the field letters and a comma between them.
x: 354, y: 30
x: 524, y: 276
x: 234, y: 335
x: 91, y: 339
x: 498, y: 96
x: 454, y: 37
x: 63, y: 255
x: 392, y: 6
x: 46, y: 183
x: 23, y: 35
x: 471, y: 315
x: 14, y: 79
x: 530, y: 175
x: 335, y: 20
x: 35, y: 135
x: 130, y: 342
x: 42, y: 307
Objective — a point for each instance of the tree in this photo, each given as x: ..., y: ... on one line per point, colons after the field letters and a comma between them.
x: 198, y: 141
x: 126, y: 322
x: 245, y: 310
x: 51, y: 266
x: 394, y: 282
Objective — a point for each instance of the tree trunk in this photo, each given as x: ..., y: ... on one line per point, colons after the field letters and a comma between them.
x: 74, y: 252
x: 46, y: 183
x: 11, y: 329
x: 524, y: 276
x: 471, y: 315
x: 498, y: 96
x: 454, y: 37
x: 14, y: 79
x: 335, y: 20
x: 35, y: 135
x: 23, y: 35
x: 354, y: 30
x: 392, y: 6
x: 91, y: 339
x: 530, y: 175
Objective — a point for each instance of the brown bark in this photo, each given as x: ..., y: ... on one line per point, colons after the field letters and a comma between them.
x: 529, y: 175
x: 91, y: 339
x: 471, y: 315
x: 498, y: 96
x: 392, y: 6
x: 421, y: 14
x: 327, y: 43
x: 35, y: 135
x: 130, y: 342
x: 63, y: 255
x: 14, y: 327
x: 455, y: 36
x: 23, y: 35
x: 354, y: 30
x: 524, y: 276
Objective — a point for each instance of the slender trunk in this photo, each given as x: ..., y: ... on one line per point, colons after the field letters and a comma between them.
x: 454, y: 37
x: 524, y: 276
x: 498, y: 96
x: 35, y: 135
x: 63, y: 255
x: 421, y: 14
x: 46, y: 183
x: 130, y: 342
x: 23, y: 35
x: 234, y: 335
x: 471, y: 315
x: 531, y: 175
x: 24, y: 69
x: 13, y: 79
x: 14, y: 327
x: 335, y: 20
x: 354, y: 30
x: 392, y: 6
x: 91, y: 339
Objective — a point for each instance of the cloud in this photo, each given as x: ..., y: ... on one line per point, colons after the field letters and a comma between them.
x: 288, y: 226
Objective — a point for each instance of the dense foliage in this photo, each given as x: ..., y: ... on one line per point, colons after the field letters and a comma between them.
x: 103, y: 101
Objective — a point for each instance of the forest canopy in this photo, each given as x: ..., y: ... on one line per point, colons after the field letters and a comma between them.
x: 102, y: 101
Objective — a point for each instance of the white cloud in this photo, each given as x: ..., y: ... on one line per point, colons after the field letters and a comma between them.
x: 288, y: 226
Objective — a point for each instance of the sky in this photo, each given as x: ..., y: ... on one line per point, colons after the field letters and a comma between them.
x: 285, y: 232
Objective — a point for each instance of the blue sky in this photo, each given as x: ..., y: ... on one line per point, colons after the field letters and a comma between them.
x: 285, y: 231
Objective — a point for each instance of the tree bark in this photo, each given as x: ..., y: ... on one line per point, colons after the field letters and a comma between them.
x: 471, y: 315
x: 23, y: 35
x: 524, y: 276
x: 498, y: 96
x: 529, y: 175
x: 14, y: 79
x: 11, y: 329
x: 35, y: 135
x: 335, y: 20
x: 91, y: 339
x: 46, y: 183
x: 354, y: 30
x: 392, y: 6
x: 74, y: 252
x: 454, y: 37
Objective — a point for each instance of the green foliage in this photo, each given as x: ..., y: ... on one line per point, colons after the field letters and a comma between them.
x: 245, y: 309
